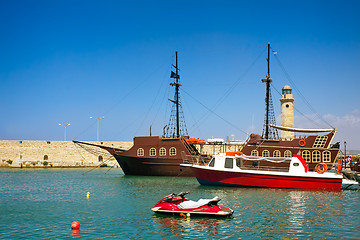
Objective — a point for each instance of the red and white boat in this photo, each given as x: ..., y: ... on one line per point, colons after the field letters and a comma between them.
x: 178, y: 204
x: 238, y: 170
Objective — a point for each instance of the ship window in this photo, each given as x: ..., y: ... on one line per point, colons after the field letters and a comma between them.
x: 162, y: 152
x: 172, y: 151
x: 306, y: 156
x: 326, y: 156
x: 316, y: 156
x: 287, y: 153
x: 152, y: 152
x: 277, y: 153
x: 228, y: 163
x: 212, y: 162
x: 254, y: 153
x: 140, y: 152
x: 320, y: 141
x: 46, y: 157
x: 265, y: 153
x: 238, y: 162
x: 100, y: 158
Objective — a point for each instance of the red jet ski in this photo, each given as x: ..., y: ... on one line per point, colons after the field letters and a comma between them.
x: 178, y: 204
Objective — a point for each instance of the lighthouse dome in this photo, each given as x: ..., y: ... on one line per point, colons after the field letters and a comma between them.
x: 286, y: 90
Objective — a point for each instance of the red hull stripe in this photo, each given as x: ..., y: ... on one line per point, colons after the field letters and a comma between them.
x: 209, y: 177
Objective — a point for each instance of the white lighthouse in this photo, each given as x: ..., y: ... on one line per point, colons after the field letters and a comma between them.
x: 287, y: 112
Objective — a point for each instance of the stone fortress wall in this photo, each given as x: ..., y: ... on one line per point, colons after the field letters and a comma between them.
x: 28, y: 153
x: 16, y: 153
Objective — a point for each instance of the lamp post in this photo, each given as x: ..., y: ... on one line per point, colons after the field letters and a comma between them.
x: 97, y: 131
x: 345, y: 155
x: 65, y: 125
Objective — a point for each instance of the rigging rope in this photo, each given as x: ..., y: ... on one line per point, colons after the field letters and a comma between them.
x: 301, y: 95
x: 226, y: 94
x: 297, y: 110
x: 264, y: 158
x: 92, y: 150
x: 123, y: 98
x: 211, y: 111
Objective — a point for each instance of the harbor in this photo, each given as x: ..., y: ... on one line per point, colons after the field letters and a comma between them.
x: 179, y: 120
x: 43, y: 203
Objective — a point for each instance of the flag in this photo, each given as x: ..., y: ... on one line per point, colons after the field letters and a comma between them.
x: 174, y: 75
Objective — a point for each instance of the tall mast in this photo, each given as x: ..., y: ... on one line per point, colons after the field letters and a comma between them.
x: 269, y: 112
x: 268, y: 80
x: 176, y: 127
x: 177, y: 96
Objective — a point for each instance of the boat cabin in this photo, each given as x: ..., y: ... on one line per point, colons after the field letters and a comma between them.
x: 223, y: 162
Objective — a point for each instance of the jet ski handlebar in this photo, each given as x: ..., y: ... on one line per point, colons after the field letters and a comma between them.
x: 174, y: 195
x: 182, y: 194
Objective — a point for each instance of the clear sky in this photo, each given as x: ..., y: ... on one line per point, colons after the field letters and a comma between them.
x: 65, y: 61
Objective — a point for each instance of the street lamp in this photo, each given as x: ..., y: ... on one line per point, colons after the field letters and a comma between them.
x: 67, y: 124
x: 97, y: 131
x: 345, y: 155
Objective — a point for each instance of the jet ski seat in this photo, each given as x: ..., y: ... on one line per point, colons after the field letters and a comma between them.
x: 201, y: 202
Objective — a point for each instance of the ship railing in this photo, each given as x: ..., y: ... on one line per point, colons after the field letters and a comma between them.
x: 193, y: 159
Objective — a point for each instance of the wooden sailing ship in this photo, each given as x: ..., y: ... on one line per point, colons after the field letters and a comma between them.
x: 314, y: 145
x: 160, y: 155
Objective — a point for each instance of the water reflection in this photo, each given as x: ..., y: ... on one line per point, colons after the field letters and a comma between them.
x: 75, y: 233
x: 176, y: 225
x: 297, y: 208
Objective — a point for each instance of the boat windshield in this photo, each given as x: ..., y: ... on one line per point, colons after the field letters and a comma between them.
x: 212, y: 162
x: 228, y: 163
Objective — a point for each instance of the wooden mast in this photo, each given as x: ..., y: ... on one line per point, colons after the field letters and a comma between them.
x: 268, y: 80
x: 177, y: 96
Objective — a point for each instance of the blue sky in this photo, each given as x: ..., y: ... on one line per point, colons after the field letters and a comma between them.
x: 64, y: 61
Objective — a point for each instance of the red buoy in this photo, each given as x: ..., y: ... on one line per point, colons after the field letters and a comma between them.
x: 75, y: 225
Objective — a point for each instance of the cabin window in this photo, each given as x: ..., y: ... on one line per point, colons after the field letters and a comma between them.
x: 100, y: 158
x: 46, y: 157
x: 306, y: 156
x: 172, y: 151
x: 316, y: 156
x: 152, y: 152
x: 162, y: 151
x: 320, y: 141
x: 140, y: 152
x: 265, y: 153
x: 295, y: 164
x: 287, y: 154
x: 326, y: 156
x: 228, y: 163
x: 277, y: 153
x: 254, y: 153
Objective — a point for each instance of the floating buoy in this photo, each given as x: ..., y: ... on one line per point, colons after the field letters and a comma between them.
x: 87, y: 194
x: 188, y: 216
x: 75, y: 225
x: 182, y: 215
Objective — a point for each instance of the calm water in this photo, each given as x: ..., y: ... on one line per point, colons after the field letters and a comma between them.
x: 43, y: 203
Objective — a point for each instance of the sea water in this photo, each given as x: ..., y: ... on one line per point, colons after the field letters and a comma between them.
x: 42, y: 204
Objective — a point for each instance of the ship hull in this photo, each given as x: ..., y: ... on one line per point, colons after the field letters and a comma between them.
x: 156, y: 156
x: 152, y: 166
x: 244, y: 179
